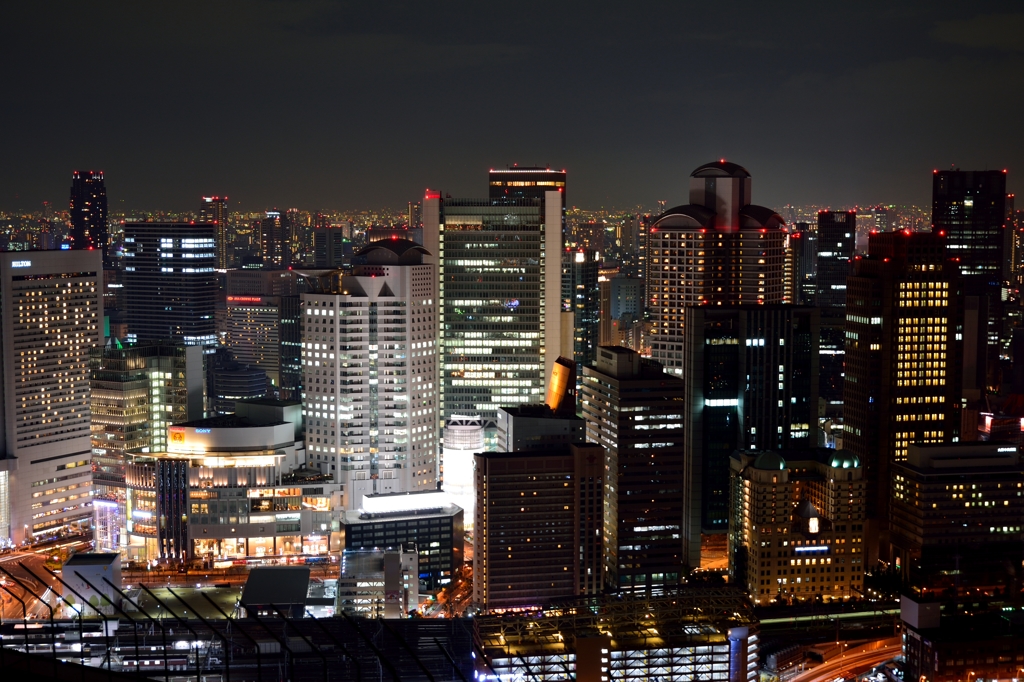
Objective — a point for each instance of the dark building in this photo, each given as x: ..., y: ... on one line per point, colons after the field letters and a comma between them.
x: 88, y: 211
x: 331, y: 249
x: 276, y: 240
x: 636, y: 412
x: 171, y: 479
x: 970, y: 209
x: 751, y: 383
x: 903, y: 359
x: 801, y: 265
x: 964, y: 647
x: 543, y: 518
x: 215, y: 210
x: 170, y: 282
x: 956, y: 519
x: 836, y: 235
x: 581, y: 302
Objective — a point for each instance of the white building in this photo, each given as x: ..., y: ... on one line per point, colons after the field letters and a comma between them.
x: 52, y: 314
x: 463, y: 438
x: 369, y: 359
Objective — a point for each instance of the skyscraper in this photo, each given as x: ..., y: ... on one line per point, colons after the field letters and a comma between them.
x: 331, y: 249
x: 751, y: 383
x: 136, y: 392
x: 52, y: 317
x: 717, y: 250
x: 969, y: 208
x: 276, y: 240
x: 836, y: 233
x: 500, y: 292
x: 635, y: 411
x: 88, y: 210
x: 835, y: 242
x: 370, y: 390
x: 582, y: 305
x: 215, y: 210
x: 170, y: 282
x: 904, y: 311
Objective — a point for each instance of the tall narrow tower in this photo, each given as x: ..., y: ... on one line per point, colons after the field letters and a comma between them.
x: 215, y: 210
x: 88, y: 209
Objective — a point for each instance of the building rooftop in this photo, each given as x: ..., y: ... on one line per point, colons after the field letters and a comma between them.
x: 270, y: 402
x: 226, y: 421
x: 284, y: 585
x: 721, y: 168
x: 92, y: 559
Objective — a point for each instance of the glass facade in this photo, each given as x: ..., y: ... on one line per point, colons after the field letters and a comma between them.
x: 493, y: 262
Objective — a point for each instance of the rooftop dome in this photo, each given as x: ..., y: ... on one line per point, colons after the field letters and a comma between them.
x: 844, y: 459
x: 720, y: 169
x: 392, y: 252
x: 685, y: 216
x: 806, y: 510
x: 769, y: 461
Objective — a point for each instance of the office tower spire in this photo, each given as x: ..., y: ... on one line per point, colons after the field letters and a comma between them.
x: 719, y: 249
x: 88, y: 209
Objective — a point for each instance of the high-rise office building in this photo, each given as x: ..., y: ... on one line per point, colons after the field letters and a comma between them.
x: 581, y: 305
x: 719, y: 249
x: 970, y: 207
x: 636, y: 411
x: 276, y: 240
x: 545, y: 522
x: 835, y: 245
x: 370, y: 384
x: 88, y: 211
x: 170, y: 282
x: 751, y: 383
x: 836, y: 233
x: 136, y: 392
x: 903, y: 359
x: 215, y: 210
x: 259, y: 329
x: 51, y: 319
x: 331, y: 249
x: 500, y: 298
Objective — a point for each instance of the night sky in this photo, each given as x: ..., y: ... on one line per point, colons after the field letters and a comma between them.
x: 338, y: 105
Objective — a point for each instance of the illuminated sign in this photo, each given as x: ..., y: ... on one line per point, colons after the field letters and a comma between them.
x: 21, y: 263
x: 245, y: 299
x: 178, y: 437
x: 812, y: 525
x: 820, y: 548
x: 203, y: 430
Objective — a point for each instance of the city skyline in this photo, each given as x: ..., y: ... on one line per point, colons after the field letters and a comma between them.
x: 364, y: 115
